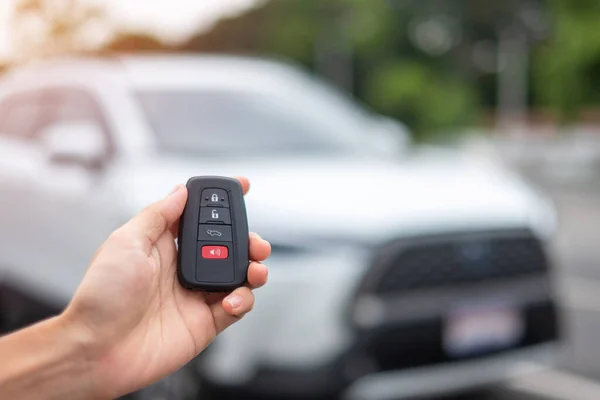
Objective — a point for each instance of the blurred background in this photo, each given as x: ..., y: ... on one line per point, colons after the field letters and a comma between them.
x: 450, y: 149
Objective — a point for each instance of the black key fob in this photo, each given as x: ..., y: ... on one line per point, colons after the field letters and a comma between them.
x: 213, y: 236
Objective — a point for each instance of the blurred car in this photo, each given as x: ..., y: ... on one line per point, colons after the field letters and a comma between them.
x: 396, y: 271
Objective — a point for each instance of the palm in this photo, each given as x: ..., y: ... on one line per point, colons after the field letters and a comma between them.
x: 148, y: 325
x: 168, y: 328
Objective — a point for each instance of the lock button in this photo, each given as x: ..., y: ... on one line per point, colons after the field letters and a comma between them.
x: 214, y: 198
x: 215, y: 215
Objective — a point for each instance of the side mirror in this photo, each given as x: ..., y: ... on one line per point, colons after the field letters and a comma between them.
x: 390, y: 136
x: 75, y: 143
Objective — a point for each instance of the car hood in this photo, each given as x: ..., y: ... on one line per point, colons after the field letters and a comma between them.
x: 428, y: 192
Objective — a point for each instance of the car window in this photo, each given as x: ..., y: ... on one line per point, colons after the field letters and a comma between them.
x: 21, y: 115
x: 222, y: 123
x: 75, y: 105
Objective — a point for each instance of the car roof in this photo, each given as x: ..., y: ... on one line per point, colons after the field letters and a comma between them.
x: 166, y: 71
x: 245, y: 75
x: 185, y: 69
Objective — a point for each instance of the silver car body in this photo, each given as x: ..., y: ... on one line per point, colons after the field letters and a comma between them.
x: 325, y: 215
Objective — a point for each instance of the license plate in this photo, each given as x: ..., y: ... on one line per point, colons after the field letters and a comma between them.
x: 474, y: 330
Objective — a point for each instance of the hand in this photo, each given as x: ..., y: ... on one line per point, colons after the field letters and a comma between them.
x: 139, y: 324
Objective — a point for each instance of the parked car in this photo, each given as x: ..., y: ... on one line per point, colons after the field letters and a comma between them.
x: 396, y: 270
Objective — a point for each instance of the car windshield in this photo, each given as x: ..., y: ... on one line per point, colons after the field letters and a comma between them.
x: 222, y: 123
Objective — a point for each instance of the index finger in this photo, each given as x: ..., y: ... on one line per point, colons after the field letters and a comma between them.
x: 150, y: 224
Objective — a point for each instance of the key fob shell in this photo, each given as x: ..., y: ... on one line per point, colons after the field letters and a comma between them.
x: 213, y: 236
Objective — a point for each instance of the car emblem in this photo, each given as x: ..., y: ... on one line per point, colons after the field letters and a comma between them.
x: 474, y: 254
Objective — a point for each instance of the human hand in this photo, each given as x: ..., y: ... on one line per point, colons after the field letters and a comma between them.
x: 137, y: 323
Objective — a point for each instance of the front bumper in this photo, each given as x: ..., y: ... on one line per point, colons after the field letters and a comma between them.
x: 448, y: 378
x: 408, y: 360
x: 330, y: 381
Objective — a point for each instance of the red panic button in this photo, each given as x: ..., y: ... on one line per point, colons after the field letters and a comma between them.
x: 215, y: 252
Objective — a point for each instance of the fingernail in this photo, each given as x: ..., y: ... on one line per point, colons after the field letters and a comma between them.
x: 234, y: 300
x: 265, y: 270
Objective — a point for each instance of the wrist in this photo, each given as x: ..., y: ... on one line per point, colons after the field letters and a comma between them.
x: 84, y: 350
x: 79, y: 350
x: 45, y: 361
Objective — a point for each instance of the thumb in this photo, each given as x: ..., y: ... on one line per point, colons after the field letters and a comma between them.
x: 150, y: 224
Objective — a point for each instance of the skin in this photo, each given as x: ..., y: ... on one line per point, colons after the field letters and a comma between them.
x: 130, y: 322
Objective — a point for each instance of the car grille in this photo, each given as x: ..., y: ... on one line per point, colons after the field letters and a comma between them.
x: 457, y: 259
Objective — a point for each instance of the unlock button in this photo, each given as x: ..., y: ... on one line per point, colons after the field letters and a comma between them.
x: 214, y: 215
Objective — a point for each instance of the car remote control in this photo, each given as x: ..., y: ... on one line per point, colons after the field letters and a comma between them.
x: 213, y: 236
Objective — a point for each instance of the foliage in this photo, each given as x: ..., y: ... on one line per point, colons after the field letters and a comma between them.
x: 566, y: 69
x: 420, y: 96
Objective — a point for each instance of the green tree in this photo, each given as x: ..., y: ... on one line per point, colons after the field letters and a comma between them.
x: 421, y: 96
x: 567, y: 67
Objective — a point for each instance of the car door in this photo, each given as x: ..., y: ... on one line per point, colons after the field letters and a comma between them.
x: 20, y: 160
x: 68, y: 212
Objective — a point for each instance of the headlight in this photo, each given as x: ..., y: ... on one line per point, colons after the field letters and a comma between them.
x: 302, y: 315
x: 543, y: 217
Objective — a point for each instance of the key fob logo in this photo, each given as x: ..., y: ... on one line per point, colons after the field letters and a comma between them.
x: 215, y: 214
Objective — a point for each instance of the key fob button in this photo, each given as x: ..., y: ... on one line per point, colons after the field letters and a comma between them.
x: 216, y: 233
x: 215, y: 215
x: 214, y: 198
x: 215, y: 252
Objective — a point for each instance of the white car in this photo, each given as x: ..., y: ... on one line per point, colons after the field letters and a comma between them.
x: 395, y: 272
